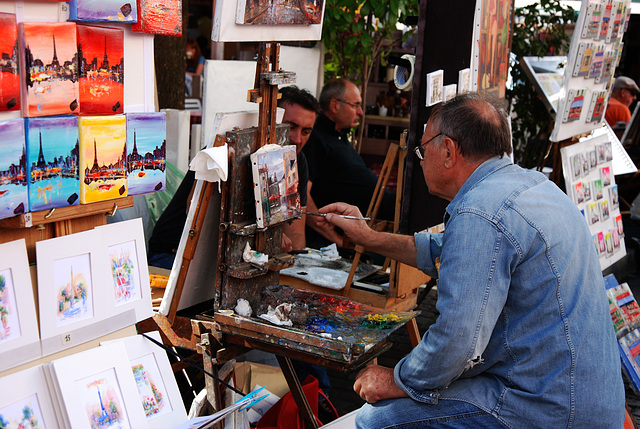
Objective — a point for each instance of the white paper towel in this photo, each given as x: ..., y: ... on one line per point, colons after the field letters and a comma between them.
x: 211, y: 164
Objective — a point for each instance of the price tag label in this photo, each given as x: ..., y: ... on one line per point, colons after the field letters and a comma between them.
x: 66, y: 339
x: 28, y: 220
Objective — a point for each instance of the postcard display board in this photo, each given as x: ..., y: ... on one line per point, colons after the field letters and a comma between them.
x: 593, y: 56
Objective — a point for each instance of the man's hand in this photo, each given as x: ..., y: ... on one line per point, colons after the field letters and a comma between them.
x: 355, y: 230
x: 287, y: 244
x: 375, y: 383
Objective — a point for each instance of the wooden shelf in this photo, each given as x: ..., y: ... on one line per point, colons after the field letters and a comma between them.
x: 378, y: 146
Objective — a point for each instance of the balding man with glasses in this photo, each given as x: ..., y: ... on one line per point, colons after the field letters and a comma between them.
x: 337, y: 172
x: 524, y: 337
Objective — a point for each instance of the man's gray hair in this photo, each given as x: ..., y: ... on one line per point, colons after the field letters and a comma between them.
x: 334, y: 89
x: 477, y: 124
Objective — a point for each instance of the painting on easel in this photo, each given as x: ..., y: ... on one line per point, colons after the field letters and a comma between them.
x: 9, y: 64
x: 48, y: 59
x: 147, y: 152
x: 103, y: 158
x: 101, y: 70
x: 52, y: 162
x: 279, y: 12
x: 13, y: 169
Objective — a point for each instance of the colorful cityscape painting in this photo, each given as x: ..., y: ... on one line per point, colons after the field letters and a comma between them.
x: 103, y: 158
x: 13, y: 169
x: 279, y: 12
x: 150, y: 386
x: 103, y: 11
x: 159, y: 17
x: 22, y: 414
x: 74, y: 297
x: 52, y: 162
x: 10, y: 327
x: 147, y: 152
x: 48, y: 51
x: 9, y: 63
x: 100, y: 70
x: 103, y: 400
x: 124, y: 271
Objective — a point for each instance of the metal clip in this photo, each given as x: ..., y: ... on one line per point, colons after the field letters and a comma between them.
x: 113, y: 212
x: 50, y: 213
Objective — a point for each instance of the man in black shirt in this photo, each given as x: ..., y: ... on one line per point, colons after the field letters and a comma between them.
x: 336, y: 170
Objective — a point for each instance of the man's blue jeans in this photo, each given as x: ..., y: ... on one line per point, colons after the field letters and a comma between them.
x: 405, y: 413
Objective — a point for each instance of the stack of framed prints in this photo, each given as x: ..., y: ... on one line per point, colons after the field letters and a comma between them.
x: 594, y: 54
x: 26, y: 401
x: 91, y: 283
x: 590, y: 182
x: 19, y: 339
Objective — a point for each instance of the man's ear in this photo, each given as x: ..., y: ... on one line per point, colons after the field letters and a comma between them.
x: 334, y: 105
x: 451, y: 152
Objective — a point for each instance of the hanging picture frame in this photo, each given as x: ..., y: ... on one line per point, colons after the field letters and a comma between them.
x: 127, y: 270
x: 146, y: 152
x: 19, y: 337
x: 103, y: 11
x: 25, y: 398
x: 157, y: 387
x: 10, y: 73
x: 73, y: 294
x: 14, y: 197
x: 98, y: 385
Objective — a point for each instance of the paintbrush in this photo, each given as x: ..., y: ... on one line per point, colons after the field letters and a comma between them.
x: 335, y: 214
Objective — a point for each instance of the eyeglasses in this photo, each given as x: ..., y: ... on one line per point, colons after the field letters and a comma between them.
x: 419, y: 150
x: 356, y: 105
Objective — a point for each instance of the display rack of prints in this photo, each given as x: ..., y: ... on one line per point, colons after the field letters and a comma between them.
x: 594, y: 54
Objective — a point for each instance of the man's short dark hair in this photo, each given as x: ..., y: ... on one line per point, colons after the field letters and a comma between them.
x: 334, y: 89
x: 293, y: 94
x: 476, y: 123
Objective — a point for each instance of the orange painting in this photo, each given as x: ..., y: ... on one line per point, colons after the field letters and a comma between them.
x: 9, y: 63
x: 159, y: 17
x: 48, y: 52
x: 101, y: 70
x: 493, y: 47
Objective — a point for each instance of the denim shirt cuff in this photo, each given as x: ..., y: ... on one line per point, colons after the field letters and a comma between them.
x: 428, y: 248
x: 426, y: 397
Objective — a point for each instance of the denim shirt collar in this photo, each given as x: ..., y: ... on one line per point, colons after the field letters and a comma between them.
x: 485, y: 169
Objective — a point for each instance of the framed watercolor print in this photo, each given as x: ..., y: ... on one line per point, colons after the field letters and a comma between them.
x: 98, y: 389
x: 48, y: 60
x: 19, y: 337
x: 100, y: 70
x: 26, y: 401
x: 13, y: 188
x: 74, y: 294
x: 159, y: 393
x: 10, y: 72
x: 52, y: 162
x: 146, y: 152
x: 103, y: 158
x: 128, y: 272
x: 103, y: 11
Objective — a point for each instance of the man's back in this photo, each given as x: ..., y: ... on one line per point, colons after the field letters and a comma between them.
x: 551, y: 358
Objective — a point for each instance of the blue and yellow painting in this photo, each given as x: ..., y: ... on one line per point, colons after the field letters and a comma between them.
x: 52, y: 162
x: 103, y: 11
x: 147, y: 152
x: 13, y: 169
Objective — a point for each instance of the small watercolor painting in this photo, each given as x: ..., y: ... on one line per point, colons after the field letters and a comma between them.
x: 50, y: 58
x: 123, y: 261
x: 159, y: 17
x: 103, y: 158
x: 52, y: 162
x: 13, y: 169
x: 147, y: 152
x: 74, y: 296
x: 9, y: 64
x: 22, y: 414
x: 10, y: 324
x: 279, y: 12
x: 100, y: 70
x: 103, y: 400
x: 103, y: 11
x: 150, y: 386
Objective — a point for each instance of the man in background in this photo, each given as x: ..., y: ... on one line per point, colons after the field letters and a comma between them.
x: 337, y: 172
x: 618, y: 114
x: 524, y: 337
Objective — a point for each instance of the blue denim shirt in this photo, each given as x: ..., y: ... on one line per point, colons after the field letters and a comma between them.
x: 524, y: 330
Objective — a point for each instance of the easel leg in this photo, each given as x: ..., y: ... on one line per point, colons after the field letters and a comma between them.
x: 414, y: 333
x: 296, y: 392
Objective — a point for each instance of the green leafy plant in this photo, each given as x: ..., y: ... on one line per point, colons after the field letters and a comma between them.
x: 356, y: 33
x: 540, y: 30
